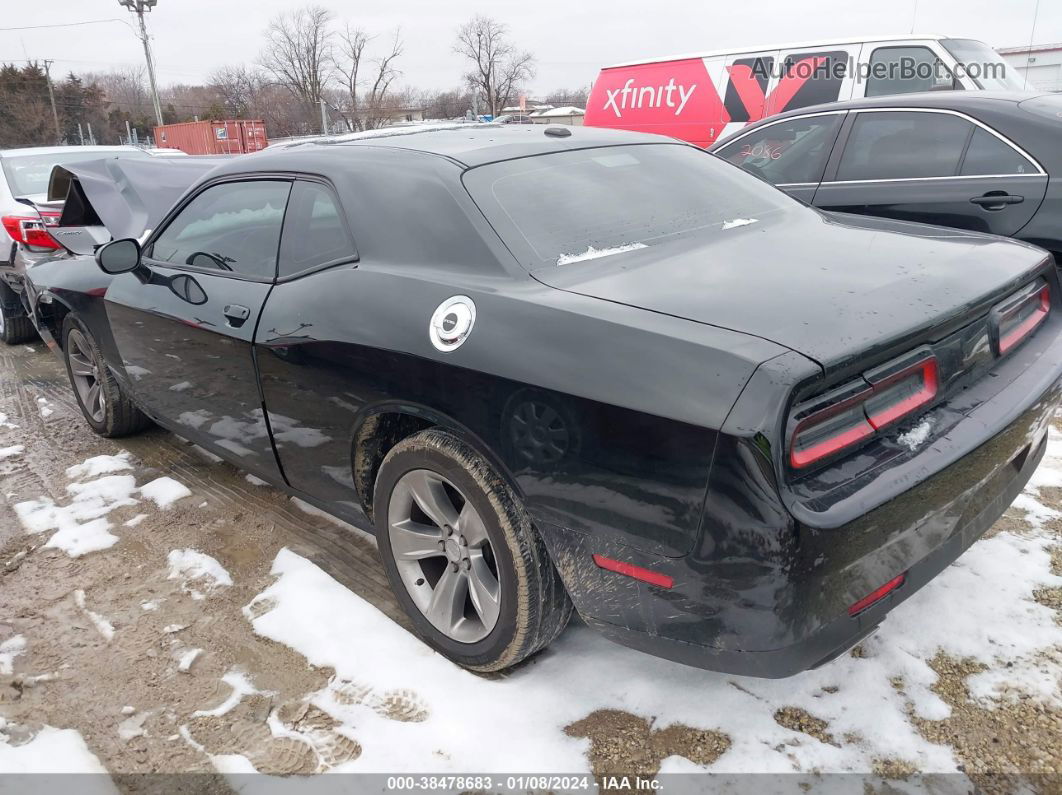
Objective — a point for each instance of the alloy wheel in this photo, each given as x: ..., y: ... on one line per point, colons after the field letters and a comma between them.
x: 444, y: 556
x: 85, y: 373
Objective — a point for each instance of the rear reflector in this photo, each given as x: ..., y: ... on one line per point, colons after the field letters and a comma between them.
x: 637, y: 572
x: 877, y: 595
x: 847, y: 416
x: 1016, y: 322
x: 29, y: 231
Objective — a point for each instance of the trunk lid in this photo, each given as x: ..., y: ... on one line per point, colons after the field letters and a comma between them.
x: 832, y: 287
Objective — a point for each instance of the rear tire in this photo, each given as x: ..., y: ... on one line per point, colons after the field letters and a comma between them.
x: 15, y: 326
x: 106, y: 408
x: 480, y: 542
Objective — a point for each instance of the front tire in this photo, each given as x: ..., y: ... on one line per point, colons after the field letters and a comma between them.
x: 462, y: 556
x: 106, y: 408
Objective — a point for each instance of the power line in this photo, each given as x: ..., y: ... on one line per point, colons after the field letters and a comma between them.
x: 66, y: 24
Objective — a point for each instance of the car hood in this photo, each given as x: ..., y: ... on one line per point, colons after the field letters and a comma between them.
x: 827, y: 285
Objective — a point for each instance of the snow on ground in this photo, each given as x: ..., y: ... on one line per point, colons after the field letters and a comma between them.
x: 199, y: 573
x: 241, y: 686
x: 9, y: 650
x: 102, y: 625
x: 52, y: 751
x: 981, y: 607
x: 15, y: 449
x: 81, y: 525
x: 4, y: 422
x: 44, y: 408
x: 165, y: 491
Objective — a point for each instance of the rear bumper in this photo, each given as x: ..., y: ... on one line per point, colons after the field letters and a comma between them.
x: 764, y: 594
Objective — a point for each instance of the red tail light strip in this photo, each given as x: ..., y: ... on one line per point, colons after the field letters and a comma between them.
x: 637, y: 572
x: 877, y: 595
x: 30, y: 231
x: 930, y: 384
x: 1027, y: 326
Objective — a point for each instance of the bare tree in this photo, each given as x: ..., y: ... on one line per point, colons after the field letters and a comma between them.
x: 126, y: 88
x: 498, y: 68
x: 366, y: 106
x: 298, y: 53
x: 237, y: 88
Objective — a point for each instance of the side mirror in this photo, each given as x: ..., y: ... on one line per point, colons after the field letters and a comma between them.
x: 119, y: 256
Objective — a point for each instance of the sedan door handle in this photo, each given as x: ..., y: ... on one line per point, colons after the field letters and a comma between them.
x: 997, y: 201
x: 237, y: 315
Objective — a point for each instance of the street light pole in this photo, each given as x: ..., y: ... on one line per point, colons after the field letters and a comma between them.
x: 139, y: 7
x: 51, y: 96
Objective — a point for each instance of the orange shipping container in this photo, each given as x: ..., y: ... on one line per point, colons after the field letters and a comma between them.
x: 229, y: 137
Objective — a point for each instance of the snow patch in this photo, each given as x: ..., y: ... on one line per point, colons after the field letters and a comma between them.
x: 255, y: 481
x: 241, y: 687
x: 734, y: 224
x: 44, y: 409
x: 4, y: 422
x: 9, y: 650
x: 917, y: 436
x: 165, y: 491
x: 135, y: 520
x: 81, y: 525
x: 55, y: 751
x: 597, y: 253
x: 15, y: 449
x: 99, y: 465
x: 102, y: 625
x: 200, y: 574
x: 186, y: 658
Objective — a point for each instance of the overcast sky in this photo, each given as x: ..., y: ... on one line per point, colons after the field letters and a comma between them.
x: 571, y: 39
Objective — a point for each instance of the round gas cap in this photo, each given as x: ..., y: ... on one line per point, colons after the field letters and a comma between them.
x: 452, y: 322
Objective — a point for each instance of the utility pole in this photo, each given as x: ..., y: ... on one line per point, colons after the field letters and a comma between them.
x: 51, y: 96
x: 139, y: 7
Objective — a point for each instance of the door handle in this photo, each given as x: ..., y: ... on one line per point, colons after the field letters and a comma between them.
x: 996, y: 200
x: 236, y: 314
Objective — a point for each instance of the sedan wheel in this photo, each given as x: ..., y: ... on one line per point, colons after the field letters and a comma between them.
x: 462, y: 556
x: 444, y: 556
x: 85, y: 375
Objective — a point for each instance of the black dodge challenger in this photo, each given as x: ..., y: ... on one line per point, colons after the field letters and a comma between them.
x: 555, y: 368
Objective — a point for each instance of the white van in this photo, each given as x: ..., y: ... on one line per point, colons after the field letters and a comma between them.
x: 702, y: 97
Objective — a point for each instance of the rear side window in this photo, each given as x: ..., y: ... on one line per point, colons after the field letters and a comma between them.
x: 989, y: 155
x: 905, y: 70
x: 315, y: 232
x: 903, y: 145
x: 233, y: 227
x: 788, y: 152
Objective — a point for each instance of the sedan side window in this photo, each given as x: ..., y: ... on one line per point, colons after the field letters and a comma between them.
x: 988, y: 156
x: 232, y: 227
x: 905, y: 70
x: 903, y: 145
x: 788, y: 152
x: 315, y: 232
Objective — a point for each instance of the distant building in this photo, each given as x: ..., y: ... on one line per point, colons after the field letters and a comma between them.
x: 564, y: 115
x: 1040, y: 66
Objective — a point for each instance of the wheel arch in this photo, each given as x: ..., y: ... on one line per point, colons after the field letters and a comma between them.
x: 380, y: 426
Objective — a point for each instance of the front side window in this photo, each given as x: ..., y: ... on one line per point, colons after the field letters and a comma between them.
x: 905, y: 70
x: 233, y: 227
x: 903, y: 145
x: 562, y: 208
x: 315, y: 232
x: 787, y: 152
x: 988, y: 155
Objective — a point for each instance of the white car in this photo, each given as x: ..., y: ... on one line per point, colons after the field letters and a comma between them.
x: 26, y: 214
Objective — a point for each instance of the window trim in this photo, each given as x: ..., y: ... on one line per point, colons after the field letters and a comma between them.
x: 735, y: 138
x: 179, y: 208
x: 1041, y: 172
x: 912, y: 46
x: 344, y: 219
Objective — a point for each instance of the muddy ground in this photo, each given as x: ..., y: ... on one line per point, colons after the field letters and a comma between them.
x: 135, y: 703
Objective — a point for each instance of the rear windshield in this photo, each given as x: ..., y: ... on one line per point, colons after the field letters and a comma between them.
x: 558, y: 209
x: 984, y: 65
x: 27, y: 175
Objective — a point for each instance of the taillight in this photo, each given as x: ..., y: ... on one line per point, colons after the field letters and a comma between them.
x: 845, y: 417
x: 1019, y: 317
x: 876, y: 595
x: 29, y: 231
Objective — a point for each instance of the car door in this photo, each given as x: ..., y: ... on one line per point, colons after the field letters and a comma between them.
x: 185, y: 331
x: 790, y: 154
x: 933, y: 166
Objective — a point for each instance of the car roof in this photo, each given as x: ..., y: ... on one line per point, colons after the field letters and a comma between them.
x: 468, y: 145
x: 58, y: 150
x: 944, y: 100
x: 792, y: 45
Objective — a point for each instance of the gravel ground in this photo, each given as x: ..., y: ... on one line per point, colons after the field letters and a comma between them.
x: 140, y: 661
